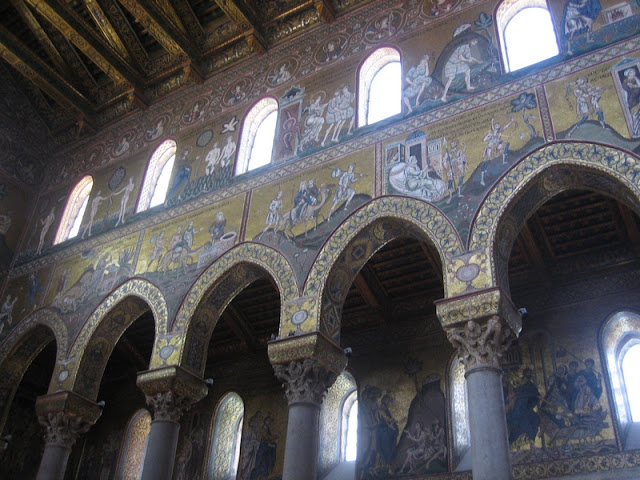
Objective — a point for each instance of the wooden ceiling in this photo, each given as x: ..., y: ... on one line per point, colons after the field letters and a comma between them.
x: 89, y: 62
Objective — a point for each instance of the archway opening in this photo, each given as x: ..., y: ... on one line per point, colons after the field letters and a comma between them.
x: 21, y: 441
x: 108, y: 450
x: 398, y: 349
x: 573, y: 262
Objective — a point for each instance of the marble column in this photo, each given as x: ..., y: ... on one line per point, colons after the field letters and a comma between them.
x: 306, y: 381
x: 491, y: 325
x: 65, y: 417
x: 170, y: 392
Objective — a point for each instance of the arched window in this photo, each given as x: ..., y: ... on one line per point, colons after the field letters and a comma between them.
x: 339, y: 426
x: 620, y: 340
x: 257, y: 137
x: 527, y: 35
x: 156, y: 180
x: 134, y: 446
x: 459, y: 416
x: 379, y: 86
x: 349, y: 427
x: 74, y: 211
x: 227, y: 435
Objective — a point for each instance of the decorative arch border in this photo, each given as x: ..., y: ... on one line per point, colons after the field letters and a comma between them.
x: 609, y: 163
x: 69, y: 371
x: 225, y: 278
x: 23, y: 344
x: 49, y: 317
x: 428, y: 219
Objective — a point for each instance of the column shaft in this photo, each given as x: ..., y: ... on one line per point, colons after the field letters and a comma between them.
x: 303, y: 442
x: 54, y: 462
x: 161, y: 450
x: 489, y: 440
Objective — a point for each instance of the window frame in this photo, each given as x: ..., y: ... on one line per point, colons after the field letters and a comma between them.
x: 505, y: 12
x: 367, y: 71
x: 619, y: 333
x: 159, y: 158
x: 230, y: 450
x: 80, y: 192
x: 251, y: 124
x: 125, y: 461
x: 349, y: 402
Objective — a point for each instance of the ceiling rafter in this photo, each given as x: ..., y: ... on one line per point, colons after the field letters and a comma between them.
x: 533, y: 252
x: 189, y: 20
x: 36, y: 28
x: 103, y: 23
x: 373, y: 293
x: 325, y: 10
x: 240, y: 326
x: 161, y: 28
x: 251, y: 30
x: 88, y: 42
x: 45, y: 77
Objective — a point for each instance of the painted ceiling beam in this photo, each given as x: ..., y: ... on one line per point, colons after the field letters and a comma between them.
x: 189, y: 20
x: 88, y: 42
x: 45, y: 41
x: 43, y: 76
x: 161, y: 28
x: 325, y: 10
x: 252, y: 34
x: 240, y: 326
x: 103, y: 23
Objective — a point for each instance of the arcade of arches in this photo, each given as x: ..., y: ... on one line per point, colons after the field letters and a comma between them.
x: 463, y: 275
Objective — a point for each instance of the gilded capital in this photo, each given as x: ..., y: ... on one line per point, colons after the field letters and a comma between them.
x: 481, y: 344
x: 65, y: 416
x: 170, y: 391
x: 305, y: 381
x: 307, y: 365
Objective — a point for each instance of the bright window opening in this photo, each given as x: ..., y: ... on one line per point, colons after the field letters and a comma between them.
x: 156, y: 180
x: 227, y: 437
x: 379, y: 86
x: 630, y: 364
x: 349, y: 427
x: 385, y: 93
x: 527, y: 35
x: 73, y: 212
x: 258, y: 135
x: 263, y: 142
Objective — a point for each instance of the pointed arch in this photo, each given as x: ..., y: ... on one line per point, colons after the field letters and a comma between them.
x: 383, y: 219
x: 340, y: 400
x: 261, y: 118
x: 22, y: 346
x: 535, y: 179
x: 216, y: 288
x: 156, y: 179
x: 73, y: 211
x: 92, y: 347
x: 380, y: 59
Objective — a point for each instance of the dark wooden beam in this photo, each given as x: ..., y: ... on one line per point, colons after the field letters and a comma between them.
x: 238, y: 323
x: 135, y: 354
x: 104, y: 24
x: 162, y: 28
x: 628, y: 218
x: 532, y: 251
x: 434, y: 260
x: 252, y: 33
x: 43, y: 76
x: 374, y: 294
x: 189, y: 20
x: 325, y: 10
x: 88, y: 42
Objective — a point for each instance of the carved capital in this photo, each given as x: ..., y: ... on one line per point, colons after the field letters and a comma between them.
x: 63, y: 428
x: 481, y: 345
x: 305, y: 381
x: 168, y: 405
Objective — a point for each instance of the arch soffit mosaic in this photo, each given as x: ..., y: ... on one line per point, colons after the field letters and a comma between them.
x: 82, y: 370
x: 215, y: 288
x: 406, y: 216
x: 535, y: 179
x: 49, y: 317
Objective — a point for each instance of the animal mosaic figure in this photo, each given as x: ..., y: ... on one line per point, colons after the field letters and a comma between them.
x: 301, y: 212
